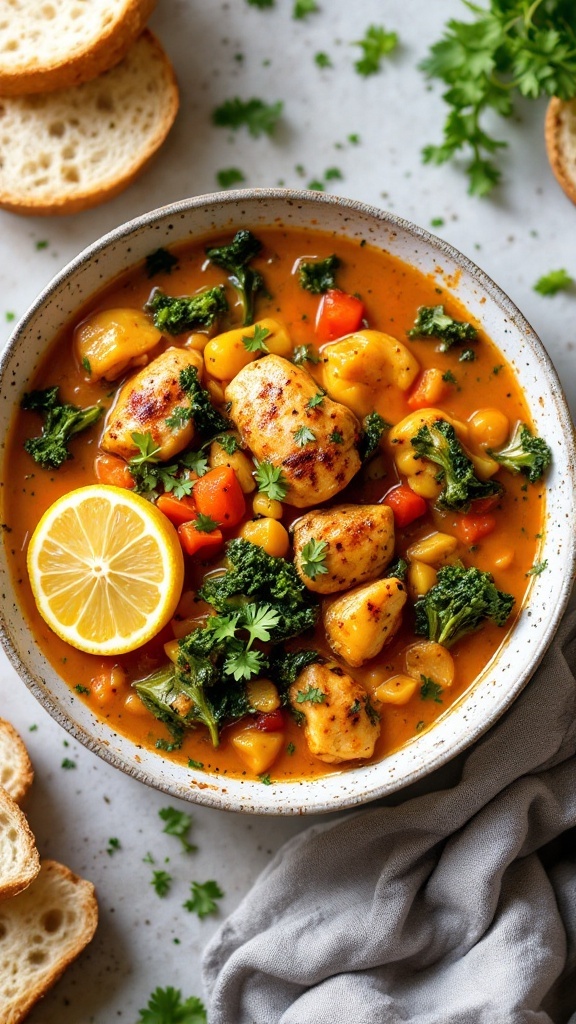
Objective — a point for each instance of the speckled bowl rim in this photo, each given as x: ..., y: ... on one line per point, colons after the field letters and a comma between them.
x: 453, y: 732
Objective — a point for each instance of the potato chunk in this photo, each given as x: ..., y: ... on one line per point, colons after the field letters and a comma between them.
x: 359, y: 543
x: 360, y: 622
x: 340, y: 723
x: 269, y: 402
x: 112, y: 341
x: 147, y: 401
x: 355, y: 365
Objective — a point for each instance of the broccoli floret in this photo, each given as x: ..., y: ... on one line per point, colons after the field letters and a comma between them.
x: 433, y: 322
x: 372, y: 429
x: 439, y: 444
x: 61, y: 422
x: 317, y: 276
x: 525, y: 454
x: 459, y: 603
x: 234, y: 258
x: 176, y: 314
x: 207, y: 419
x: 177, y: 696
x: 254, y: 573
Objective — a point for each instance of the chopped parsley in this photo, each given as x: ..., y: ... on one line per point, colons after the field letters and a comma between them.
x: 165, y: 1006
x: 205, y: 524
x: 113, y: 846
x: 316, y: 400
x: 258, y: 117
x: 271, y: 481
x: 81, y: 689
x: 537, y: 568
x: 430, y: 690
x: 449, y: 377
x: 265, y: 779
x: 178, y: 824
x: 199, y: 765
x: 304, y: 354
x: 42, y: 244
x: 161, y: 261
x: 313, y: 558
x: 68, y: 764
x: 376, y: 44
x: 302, y: 8
x: 291, y: 749
x: 256, y: 342
x: 312, y: 694
x: 322, y: 60
x: 86, y: 365
x: 304, y: 436
x: 161, y: 881
x: 203, y: 899
x: 467, y: 355
x: 336, y: 437
x: 554, y: 282
x: 230, y: 176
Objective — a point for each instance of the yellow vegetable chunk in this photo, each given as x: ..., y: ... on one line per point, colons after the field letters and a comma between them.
x: 238, y: 461
x: 256, y: 749
x: 228, y: 353
x: 113, y: 340
x: 262, y: 695
x: 427, y: 658
x: 353, y: 366
x: 268, y: 534
x: 361, y: 621
x: 396, y: 690
x: 434, y: 549
x: 262, y: 505
x: 420, y: 578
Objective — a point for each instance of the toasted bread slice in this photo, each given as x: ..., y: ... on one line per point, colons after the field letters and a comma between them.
x: 19, y: 860
x: 16, y: 773
x: 560, y: 133
x: 65, y: 151
x: 53, y: 44
x: 41, y: 932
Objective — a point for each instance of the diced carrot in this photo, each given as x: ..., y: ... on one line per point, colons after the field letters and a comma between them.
x: 338, y: 314
x: 193, y: 540
x: 429, y: 390
x: 219, y: 495
x: 177, y: 510
x: 405, y: 504
x: 111, y: 469
x: 471, y: 528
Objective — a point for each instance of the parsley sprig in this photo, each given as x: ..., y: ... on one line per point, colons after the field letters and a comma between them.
x: 271, y: 481
x: 165, y: 1006
x: 515, y: 46
x: 203, y: 899
x: 376, y: 44
x: 313, y: 558
x: 258, y: 117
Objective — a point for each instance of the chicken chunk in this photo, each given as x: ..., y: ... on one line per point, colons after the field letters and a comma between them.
x: 359, y: 544
x: 340, y: 723
x: 147, y: 401
x: 314, y: 447
x: 360, y: 622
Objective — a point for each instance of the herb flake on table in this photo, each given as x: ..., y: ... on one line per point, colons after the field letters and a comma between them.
x: 302, y: 8
x: 113, y: 846
x: 166, y: 1006
x: 376, y: 44
x: 178, y: 823
x: 203, y: 899
x: 322, y: 60
x: 258, y: 117
x: 230, y: 176
x: 553, y: 282
x: 161, y: 882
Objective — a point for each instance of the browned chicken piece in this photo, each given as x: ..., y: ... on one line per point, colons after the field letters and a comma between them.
x: 340, y: 723
x: 359, y: 623
x: 146, y: 401
x: 314, y: 447
x: 359, y: 544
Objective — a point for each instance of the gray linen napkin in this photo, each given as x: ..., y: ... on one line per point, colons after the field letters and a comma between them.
x: 454, y: 907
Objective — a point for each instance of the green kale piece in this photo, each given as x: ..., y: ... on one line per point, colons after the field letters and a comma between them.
x: 373, y: 427
x: 285, y: 666
x: 433, y: 322
x: 235, y: 258
x: 161, y: 261
x: 61, y: 422
x: 458, y: 604
x: 177, y: 695
x: 317, y: 276
x: 524, y: 453
x: 175, y: 314
x: 207, y: 419
x: 438, y: 443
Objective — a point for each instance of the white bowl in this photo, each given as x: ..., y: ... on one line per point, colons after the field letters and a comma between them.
x: 506, y: 675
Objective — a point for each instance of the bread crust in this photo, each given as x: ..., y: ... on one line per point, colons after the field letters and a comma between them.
x: 560, y: 147
x: 16, y: 772
x: 75, y: 200
x: 56, y: 888
x: 92, y: 58
x: 19, y: 859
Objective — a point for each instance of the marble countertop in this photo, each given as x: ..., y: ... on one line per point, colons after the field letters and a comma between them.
x: 221, y: 49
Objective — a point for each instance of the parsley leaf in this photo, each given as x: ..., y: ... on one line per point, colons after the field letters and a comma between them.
x: 537, y: 568
x: 205, y: 524
x: 113, y: 846
x: 304, y: 436
x: 312, y: 694
x: 204, y: 896
x: 178, y: 824
x: 271, y: 481
x: 376, y: 44
x: 256, y: 342
x: 316, y: 399
x: 304, y: 354
x: 161, y: 882
x: 430, y: 690
x: 313, y: 558
x: 302, y: 8
x: 230, y: 176
x: 317, y: 276
x: 555, y: 281
x: 165, y: 1006
x: 258, y: 117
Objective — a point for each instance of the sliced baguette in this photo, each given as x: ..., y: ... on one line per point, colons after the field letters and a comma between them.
x: 560, y: 134
x: 41, y: 932
x: 52, y: 44
x: 19, y: 860
x: 16, y: 773
x: 66, y: 151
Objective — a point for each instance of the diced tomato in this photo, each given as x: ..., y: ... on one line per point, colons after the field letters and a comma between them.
x: 338, y: 314
x: 405, y: 504
x: 219, y: 495
x: 270, y: 721
x: 177, y: 510
x: 481, y: 505
x: 470, y: 528
x: 193, y: 540
x: 111, y: 469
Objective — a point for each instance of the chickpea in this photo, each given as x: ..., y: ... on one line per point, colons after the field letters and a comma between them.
x: 489, y: 427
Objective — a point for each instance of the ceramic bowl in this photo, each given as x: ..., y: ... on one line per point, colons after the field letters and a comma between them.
x: 515, y: 661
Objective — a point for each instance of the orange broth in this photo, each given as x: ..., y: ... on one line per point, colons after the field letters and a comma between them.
x: 392, y: 292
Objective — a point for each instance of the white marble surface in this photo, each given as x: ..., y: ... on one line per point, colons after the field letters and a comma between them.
x: 527, y: 229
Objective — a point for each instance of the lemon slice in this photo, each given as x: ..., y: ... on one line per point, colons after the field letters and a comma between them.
x: 106, y: 569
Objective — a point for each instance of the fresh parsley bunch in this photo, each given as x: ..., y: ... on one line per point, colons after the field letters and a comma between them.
x: 511, y: 46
